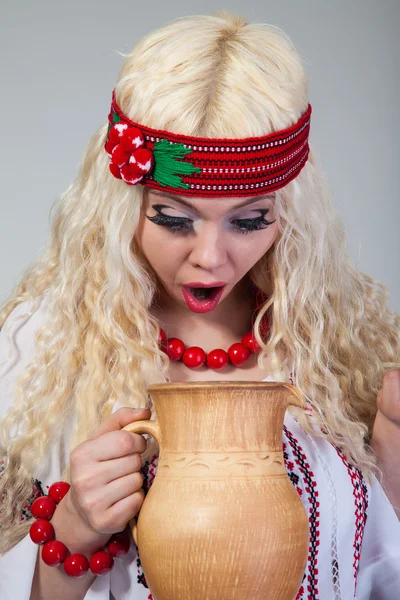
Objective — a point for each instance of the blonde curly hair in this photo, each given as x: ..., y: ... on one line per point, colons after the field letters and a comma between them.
x: 99, y: 345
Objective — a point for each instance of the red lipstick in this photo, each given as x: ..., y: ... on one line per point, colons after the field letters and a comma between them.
x: 199, y: 284
x: 201, y: 301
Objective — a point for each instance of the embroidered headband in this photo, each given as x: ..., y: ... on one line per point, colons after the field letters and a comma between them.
x: 207, y: 167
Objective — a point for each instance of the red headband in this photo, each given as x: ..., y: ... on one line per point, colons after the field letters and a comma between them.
x: 207, y: 167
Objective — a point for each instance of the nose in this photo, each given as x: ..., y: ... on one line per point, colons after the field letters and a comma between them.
x: 208, y: 250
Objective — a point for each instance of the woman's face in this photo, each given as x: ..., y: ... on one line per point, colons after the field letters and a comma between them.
x: 193, y: 242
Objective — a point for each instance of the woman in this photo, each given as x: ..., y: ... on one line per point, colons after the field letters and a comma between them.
x: 172, y: 199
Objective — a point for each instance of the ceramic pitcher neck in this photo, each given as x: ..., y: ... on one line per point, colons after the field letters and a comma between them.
x: 228, y: 416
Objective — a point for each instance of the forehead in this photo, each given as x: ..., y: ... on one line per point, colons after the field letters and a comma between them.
x: 200, y: 204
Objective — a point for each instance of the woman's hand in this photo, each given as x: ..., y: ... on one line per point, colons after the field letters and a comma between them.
x: 106, y: 483
x: 386, y: 436
x: 388, y: 400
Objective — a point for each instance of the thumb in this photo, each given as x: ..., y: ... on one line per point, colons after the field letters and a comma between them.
x: 122, y: 417
x: 388, y: 399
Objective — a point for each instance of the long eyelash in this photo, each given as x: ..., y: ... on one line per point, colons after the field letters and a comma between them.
x: 172, y: 223
x: 184, y: 225
x: 250, y: 225
x: 245, y: 226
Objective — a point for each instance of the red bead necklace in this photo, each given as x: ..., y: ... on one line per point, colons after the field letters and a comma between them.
x: 194, y: 356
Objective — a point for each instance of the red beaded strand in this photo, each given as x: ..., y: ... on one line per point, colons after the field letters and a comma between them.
x: 55, y: 553
x: 238, y: 354
x: 195, y: 357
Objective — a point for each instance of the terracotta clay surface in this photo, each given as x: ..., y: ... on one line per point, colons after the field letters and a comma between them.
x: 221, y: 521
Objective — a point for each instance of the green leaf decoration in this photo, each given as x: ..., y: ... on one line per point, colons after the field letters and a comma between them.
x: 169, y: 165
x: 115, y: 119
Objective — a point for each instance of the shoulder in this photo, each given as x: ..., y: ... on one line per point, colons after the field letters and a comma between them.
x: 17, y: 344
x: 20, y: 327
x: 17, y: 351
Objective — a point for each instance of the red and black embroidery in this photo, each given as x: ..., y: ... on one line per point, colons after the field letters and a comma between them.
x: 141, y: 577
x: 37, y: 490
x: 309, y: 587
x: 148, y: 471
x: 360, y: 495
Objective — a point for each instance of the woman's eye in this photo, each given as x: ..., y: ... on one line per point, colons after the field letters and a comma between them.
x: 174, y: 224
x: 248, y: 225
x: 184, y: 224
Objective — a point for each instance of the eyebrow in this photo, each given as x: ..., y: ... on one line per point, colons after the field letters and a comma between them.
x: 189, y: 205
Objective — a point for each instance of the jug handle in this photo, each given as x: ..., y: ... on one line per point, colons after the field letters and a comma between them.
x: 296, y: 396
x: 152, y: 428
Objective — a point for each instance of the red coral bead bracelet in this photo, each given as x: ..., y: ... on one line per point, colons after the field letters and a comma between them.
x: 55, y: 553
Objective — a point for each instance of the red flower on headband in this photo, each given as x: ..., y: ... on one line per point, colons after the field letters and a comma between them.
x: 130, y: 160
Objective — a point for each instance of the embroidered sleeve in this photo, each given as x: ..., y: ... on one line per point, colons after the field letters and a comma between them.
x: 303, y: 479
x: 360, y: 497
x: 37, y: 490
x: 148, y: 471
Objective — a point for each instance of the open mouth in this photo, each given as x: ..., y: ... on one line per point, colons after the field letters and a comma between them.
x: 202, y: 293
x: 202, y: 299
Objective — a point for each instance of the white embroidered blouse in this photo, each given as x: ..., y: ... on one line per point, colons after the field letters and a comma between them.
x: 354, y: 544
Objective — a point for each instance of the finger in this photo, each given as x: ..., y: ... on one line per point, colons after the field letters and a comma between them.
x: 122, y: 488
x: 388, y: 399
x: 119, y: 467
x: 114, y: 445
x: 391, y: 383
x: 124, y: 510
x: 121, y: 418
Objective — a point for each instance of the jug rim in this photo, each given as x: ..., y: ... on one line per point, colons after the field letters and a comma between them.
x: 177, y: 385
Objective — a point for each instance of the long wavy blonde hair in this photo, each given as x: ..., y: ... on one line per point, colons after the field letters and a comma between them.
x: 211, y: 76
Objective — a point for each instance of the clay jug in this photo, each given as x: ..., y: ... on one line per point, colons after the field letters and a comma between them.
x: 221, y: 521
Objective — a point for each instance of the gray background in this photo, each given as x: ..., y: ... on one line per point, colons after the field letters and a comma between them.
x: 59, y: 63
